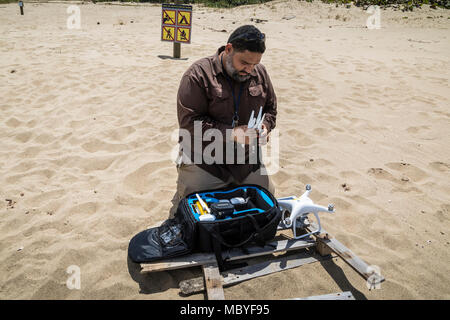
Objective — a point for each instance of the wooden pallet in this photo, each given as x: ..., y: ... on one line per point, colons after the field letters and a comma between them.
x: 237, y: 275
x: 347, y: 295
x: 327, y: 244
x: 298, y: 253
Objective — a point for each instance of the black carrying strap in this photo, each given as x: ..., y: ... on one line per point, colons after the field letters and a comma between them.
x: 258, y: 233
x: 237, y: 100
x: 258, y: 236
x: 221, y: 263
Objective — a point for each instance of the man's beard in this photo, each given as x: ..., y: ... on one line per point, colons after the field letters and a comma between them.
x: 233, y: 72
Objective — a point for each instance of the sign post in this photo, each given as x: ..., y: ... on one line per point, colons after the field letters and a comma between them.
x: 176, y: 25
x: 177, y: 45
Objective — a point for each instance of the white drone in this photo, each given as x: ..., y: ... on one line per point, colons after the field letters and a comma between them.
x: 299, y: 209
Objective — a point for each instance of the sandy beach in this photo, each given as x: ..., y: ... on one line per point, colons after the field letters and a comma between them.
x: 88, y: 125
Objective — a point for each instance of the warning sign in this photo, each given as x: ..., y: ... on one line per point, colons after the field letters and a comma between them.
x: 169, y: 17
x: 176, y: 23
x: 168, y: 33
x: 184, y: 18
x: 183, y: 35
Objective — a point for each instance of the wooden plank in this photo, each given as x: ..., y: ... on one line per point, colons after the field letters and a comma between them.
x: 272, y: 247
x: 232, y: 255
x: 361, y: 267
x: 347, y: 295
x: 192, y: 260
x: 321, y: 247
x: 257, y: 270
x: 213, y: 282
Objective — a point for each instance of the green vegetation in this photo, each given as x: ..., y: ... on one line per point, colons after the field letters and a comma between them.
x: 407, y: 5
x: 209, y: 3
x: 228, y: 3
x: 404, y: 5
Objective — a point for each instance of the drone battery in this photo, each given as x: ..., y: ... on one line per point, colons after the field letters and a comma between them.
x: 237, y: 200
x: 239, y: 203
x: 222, y: 209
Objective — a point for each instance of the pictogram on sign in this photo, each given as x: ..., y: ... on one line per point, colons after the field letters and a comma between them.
x: 168, y: 33
x: 183, y: 35
x: 169, y: 17
x: 184, y: 18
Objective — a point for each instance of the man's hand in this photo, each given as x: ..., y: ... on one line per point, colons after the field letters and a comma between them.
x: 243, y: 134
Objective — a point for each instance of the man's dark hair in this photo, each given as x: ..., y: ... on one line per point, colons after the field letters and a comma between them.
x: 249, y: 38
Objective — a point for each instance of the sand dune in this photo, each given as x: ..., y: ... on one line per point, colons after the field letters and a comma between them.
x: 86, y: 135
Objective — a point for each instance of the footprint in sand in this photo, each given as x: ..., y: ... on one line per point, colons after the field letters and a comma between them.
x: 95, y: 163
x: 23, y: 137
x: 97, y: 145
x: 30, y: 152
x: 317, y: 163
x: 300, y: 138
x: 349, y: 175
x: 13, y: 122
x: 351, y: 181
x: 417, y: 129
x: 146, y: 178
x: 380, y: 173
x: 439, y: 166
x: 321, y: 132
x: 408, y: 171
x: 307, y: 98
x: 281, y: 178
x: 86, y: 208
x: 442, y: 113
x: 120, y: 134
x: 44, y: 138
x: 443, y: 213
x: 340, y: 203
x: 41, y: 174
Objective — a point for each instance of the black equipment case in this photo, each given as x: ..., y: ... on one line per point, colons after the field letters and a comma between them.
x: 254, y: 219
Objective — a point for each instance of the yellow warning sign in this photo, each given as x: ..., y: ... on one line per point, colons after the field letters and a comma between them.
x: 184, y: 18
x: 176, y: 23
x: 169, y: 17
x: 168, y: 33
x: 183, y: 35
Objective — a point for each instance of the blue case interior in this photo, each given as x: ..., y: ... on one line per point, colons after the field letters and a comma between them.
x: 209, y: 197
